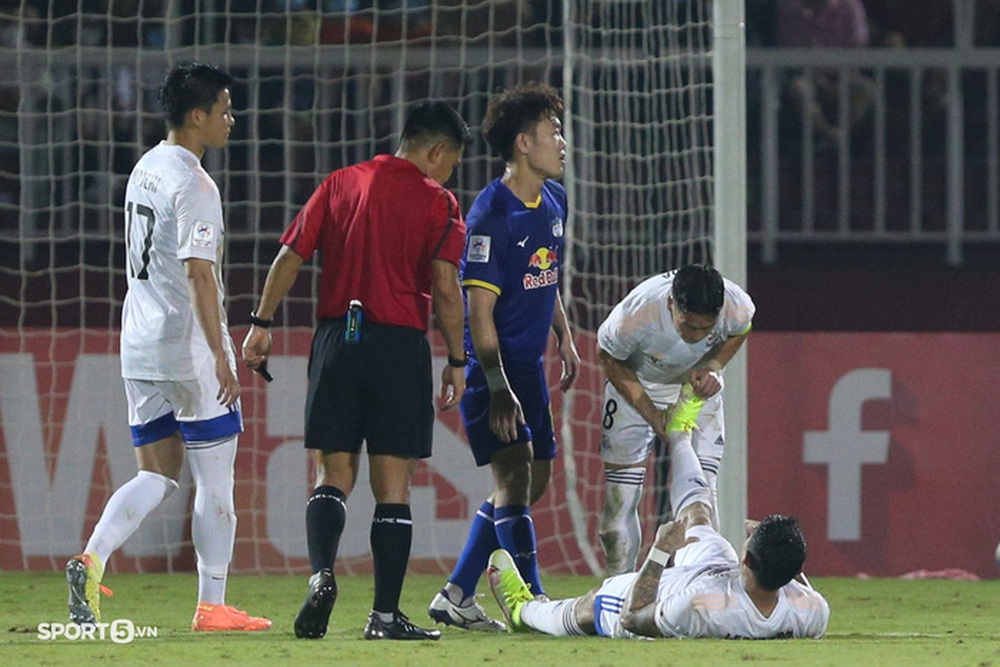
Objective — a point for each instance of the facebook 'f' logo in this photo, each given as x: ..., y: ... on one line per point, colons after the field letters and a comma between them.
x: 844, y: 447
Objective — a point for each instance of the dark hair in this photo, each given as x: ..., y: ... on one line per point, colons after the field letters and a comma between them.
x: 698, y: 288
x: 429, y: 121
x: 776, y: 551
x: 188, y: 86
x: 518, y: 110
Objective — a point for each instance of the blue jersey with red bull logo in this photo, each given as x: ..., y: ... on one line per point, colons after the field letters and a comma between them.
x: 514, y: 250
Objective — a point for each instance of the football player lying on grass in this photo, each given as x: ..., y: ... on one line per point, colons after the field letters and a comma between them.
x: 692, y: 583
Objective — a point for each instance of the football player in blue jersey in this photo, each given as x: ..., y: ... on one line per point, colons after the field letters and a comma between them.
x: 510, y: 272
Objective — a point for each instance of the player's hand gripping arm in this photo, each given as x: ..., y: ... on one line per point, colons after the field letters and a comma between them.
x: 567, y: 348
x: 706, y: 379
x: 624, y: 379
x: 505, y: 409
x: 446, y: 294
x: 205, y: 301
x: 280, y: 277
x: 639, y: 612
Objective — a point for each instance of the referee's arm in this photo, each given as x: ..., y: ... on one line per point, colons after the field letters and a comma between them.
x: 280, y: 277
x: 446, y: 294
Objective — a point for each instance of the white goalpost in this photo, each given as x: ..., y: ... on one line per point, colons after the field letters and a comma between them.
x: 657, y: 180
x: 730, y: 239
x: 654, y: 120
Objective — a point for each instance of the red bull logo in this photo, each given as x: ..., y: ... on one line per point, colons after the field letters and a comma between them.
x: 543, y: 258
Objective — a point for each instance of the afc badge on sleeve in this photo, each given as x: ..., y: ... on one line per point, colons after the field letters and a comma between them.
x: 204, y: 234
x: 479, y: 249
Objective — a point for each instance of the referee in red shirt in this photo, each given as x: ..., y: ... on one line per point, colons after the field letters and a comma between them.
x: 390, y: 237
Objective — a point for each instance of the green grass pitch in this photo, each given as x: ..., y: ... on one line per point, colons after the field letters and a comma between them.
x: 877, y: 623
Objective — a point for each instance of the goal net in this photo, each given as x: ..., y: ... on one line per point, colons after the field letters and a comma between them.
x: 319, y: 84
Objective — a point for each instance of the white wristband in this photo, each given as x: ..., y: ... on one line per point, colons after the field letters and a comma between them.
x: 495, y: 379
x: 718, y: 378
x: 658, y: 556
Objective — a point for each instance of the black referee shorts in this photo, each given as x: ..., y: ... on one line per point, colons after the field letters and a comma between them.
x: 379, y: 390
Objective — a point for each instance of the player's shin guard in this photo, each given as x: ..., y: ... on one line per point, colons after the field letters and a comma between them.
x: 213, y: 520
x: 621, y: 534
x: 687, y: 480
x: 556, y: 617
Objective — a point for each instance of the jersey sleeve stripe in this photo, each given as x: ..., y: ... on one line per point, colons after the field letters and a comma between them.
x: 481, y: 283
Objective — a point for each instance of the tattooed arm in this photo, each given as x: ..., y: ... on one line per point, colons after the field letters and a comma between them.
x: 639, y: 612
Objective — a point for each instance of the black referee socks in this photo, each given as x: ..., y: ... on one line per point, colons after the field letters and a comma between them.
x: 391, y: 537
x: 326, y: 514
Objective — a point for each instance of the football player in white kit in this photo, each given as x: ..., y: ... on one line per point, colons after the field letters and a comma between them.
x: 178, y: 359
x: 692, y: 583
x: 677, y: 328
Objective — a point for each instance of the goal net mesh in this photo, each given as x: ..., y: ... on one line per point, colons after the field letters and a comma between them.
x: 319, y: 84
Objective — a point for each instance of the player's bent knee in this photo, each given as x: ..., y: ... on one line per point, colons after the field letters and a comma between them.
x: 696, y: 514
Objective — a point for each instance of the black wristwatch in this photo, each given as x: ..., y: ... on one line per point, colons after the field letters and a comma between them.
x: 458, y: 363
x: 258, y: 322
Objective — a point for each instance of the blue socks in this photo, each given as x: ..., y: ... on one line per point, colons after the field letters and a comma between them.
x: 482, y: 541
x: 516, y: 533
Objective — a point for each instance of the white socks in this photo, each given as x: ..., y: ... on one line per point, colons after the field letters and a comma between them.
x: 213, y: 527
x: 126, y: 509
x: 213, y: 524
x: 557, y: 617
x: 710, y: 468
x: 621, y: 534
x: 687, y: 480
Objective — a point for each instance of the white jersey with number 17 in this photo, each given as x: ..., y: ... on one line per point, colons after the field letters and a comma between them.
x: 173, y: 212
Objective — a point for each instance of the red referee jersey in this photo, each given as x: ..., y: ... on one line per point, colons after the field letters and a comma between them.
x: 377, y: 225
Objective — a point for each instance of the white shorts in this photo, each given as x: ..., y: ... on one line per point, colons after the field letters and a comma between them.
x: 608, y: 604
x: 710, y: 549
x: 159, y: 408
x: 626, y: 438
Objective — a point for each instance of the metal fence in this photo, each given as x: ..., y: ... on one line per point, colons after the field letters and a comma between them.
x: 873, y: 146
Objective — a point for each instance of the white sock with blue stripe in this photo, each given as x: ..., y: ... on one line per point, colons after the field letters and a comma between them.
x: 556, y: 617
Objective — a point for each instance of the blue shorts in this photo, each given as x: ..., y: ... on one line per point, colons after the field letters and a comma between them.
x: 531, y: 390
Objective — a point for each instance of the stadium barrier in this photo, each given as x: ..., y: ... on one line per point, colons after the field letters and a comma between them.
x: 884, y: 457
